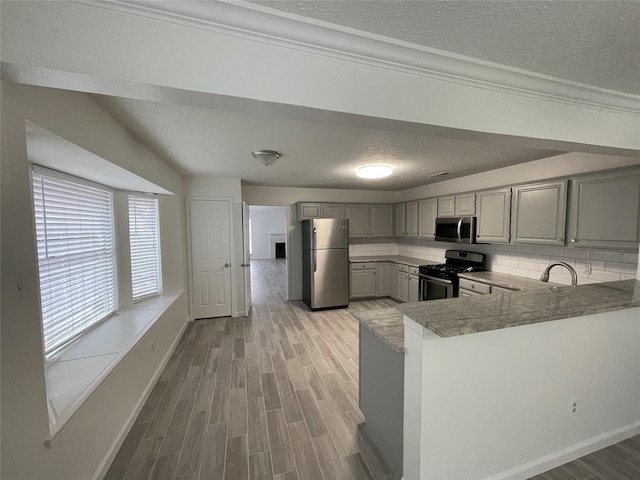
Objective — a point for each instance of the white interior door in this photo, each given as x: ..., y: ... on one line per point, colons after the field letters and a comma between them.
x: 210, y: 258
x: 246, y: 258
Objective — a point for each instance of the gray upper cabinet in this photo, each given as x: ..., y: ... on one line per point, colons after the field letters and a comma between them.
x: 447, y: 206
x: 494, y: 215
x: 427, y: 213
x: 333, y: 210
x: 538, y: 213
x: 400, y: 220
x: 465, y: 205
x: 411, y: 223
x: 381, y: 220
x: 605, y: 211
x: 308, y: 211
x: 359, y: 216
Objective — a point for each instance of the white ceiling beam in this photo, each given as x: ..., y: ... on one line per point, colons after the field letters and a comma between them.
x: 227, y: 57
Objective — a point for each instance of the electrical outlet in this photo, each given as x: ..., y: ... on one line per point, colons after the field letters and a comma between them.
x: 587, y: 268
x: 574, y: 407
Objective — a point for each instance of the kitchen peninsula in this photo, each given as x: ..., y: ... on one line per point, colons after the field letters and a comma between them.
x: 486, y: 401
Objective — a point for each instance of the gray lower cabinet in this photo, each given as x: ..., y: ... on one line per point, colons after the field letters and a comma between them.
x: 384, y: 279
x: 402, y: 283
x: 494, y: 215
x: 471, y: 288
x: 413, y: 286
x: 363, y: 280
x: 413, y: 289
x: 605, y: 211
x: 381, y: 390
x: 538, y: 213
x: 411, y: 222
x: 427, y: 213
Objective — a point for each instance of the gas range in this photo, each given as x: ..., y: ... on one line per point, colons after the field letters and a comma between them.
x: 441, y: 280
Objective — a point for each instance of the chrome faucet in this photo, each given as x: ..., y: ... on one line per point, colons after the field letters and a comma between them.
x: 574, y: 276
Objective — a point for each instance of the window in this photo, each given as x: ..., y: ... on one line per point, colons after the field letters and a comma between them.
x: 143, y: 232
x: 76, y: 257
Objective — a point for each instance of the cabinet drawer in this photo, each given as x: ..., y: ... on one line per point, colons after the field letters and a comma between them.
x: 363, y: 266
x: 475, y: 286
x: 403, y: 268
x: 468, y: 293
x: 413, y: 271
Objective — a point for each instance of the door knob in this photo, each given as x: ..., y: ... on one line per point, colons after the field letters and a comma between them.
x: 226, y: 265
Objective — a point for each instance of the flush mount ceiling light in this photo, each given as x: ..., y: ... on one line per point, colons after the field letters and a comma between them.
x: 374, y: 171
x: 268, y: 157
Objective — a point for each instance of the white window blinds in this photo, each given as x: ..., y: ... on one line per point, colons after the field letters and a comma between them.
x: 145, y: 251
x: 76, y: 258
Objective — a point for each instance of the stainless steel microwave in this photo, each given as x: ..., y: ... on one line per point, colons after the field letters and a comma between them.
x: 456, y: 229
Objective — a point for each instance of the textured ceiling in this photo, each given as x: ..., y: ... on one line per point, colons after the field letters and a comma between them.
x: 202, y: 141
x: 592, y: 42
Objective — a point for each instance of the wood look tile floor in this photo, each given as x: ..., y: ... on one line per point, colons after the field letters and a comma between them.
x: 617, y: 462
x: 270, y: 396
x: 274, y: 396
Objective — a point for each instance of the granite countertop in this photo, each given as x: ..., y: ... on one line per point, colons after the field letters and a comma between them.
x: 411, y: 261
x: 466, y: 315
x: 503, y: 280
x: 386, y: 324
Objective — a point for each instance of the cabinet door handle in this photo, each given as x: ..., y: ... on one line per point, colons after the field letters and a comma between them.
x: 226, y: 265
x: 573, y: 240
x: 560, y: 239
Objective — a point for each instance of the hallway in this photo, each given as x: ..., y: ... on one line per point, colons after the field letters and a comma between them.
x: 269, y: 396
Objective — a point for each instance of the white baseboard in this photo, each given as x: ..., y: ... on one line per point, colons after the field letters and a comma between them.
x: 106, y: 462
x: 569, y: 454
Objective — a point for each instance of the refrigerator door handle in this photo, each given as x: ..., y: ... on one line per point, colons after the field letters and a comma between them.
x: 315, y: 260
x: 314, y: 242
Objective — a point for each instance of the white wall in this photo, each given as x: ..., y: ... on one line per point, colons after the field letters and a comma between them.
x: 46, y: 42
x: 266, y: 221
x: 225, y: 188
x: 89, y: 440
x: 498, y: 405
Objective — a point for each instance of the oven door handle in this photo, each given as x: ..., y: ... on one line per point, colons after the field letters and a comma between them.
x: 436, y: 280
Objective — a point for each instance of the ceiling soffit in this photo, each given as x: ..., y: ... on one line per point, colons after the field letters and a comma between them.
x: 263, y: 24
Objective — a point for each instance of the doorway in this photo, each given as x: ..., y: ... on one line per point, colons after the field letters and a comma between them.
x: 210, y: 257
x: 268, y: 251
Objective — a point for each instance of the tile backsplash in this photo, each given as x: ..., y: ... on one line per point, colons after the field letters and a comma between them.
x: 529, y: 261
x: 367, y: 249
x: 521, y: 260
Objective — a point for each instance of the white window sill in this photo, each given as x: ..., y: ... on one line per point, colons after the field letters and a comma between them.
x: 81, y: 367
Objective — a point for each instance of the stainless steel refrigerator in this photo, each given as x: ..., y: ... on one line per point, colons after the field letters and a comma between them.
x: 325, y: 263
